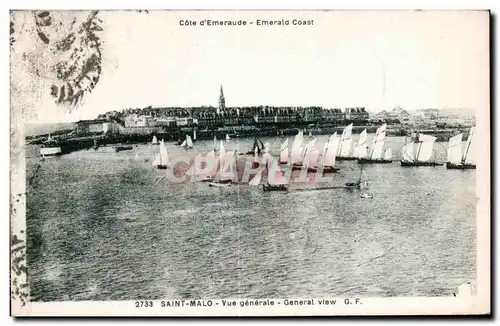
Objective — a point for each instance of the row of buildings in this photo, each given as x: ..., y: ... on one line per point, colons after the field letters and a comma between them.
x: 212, y: 118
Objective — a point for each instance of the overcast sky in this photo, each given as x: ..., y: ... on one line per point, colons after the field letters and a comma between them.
x: 372, y: 59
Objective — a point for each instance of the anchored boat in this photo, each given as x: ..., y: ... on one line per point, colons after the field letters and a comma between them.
x: 161, y: 160
x: 329, y: 154
x: 284, y: 153
x: 422, y: 155
x: 310, y: 155
x: 276, y: 182
x: 120, y: 148
x: 50, y: 147
x: 257, y: 147
x: 187, y: 143
x: 377, y: 153
x: 457, y: 160
x: 345, y: 145
x: 226, y: 172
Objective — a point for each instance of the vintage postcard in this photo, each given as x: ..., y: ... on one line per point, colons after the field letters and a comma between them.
x: 249, y: 163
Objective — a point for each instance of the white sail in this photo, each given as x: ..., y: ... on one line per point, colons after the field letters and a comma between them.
x: 215, y: 142
x: 256, y: 179
x: 425, y: 150
x: 267, y: 159
x: 184, y: 143
x: 194, y: 134
x: 408, y: 154
x: 189, y: 142
x: 155, y: 140
x: 377, y: 150
x: 346, y: 142
x: 388, y: 154
x: 296, y: 155
x: 211, y: 161
x: 469, y: 152
x: 163, y: 155
x: 331, y: 151
x: 227, y: 137
x: 455, y: 149
x: 378, y: 143
x: 312, y: 158
x: 284, y: 152
x: 346, y: 147
x: 227, y: 165
x: 267, y: 145
x: 360, y: 150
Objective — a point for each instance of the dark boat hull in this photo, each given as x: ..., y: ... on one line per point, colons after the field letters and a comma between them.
x: 267, y: 187
x: 420, y: 163
x: 309, y: 169
x: 162, y: 167
x: 123, y: 148
x: 347, y: 158
x: 370, y: 161
x: 460, y: 166
x: 330, y: 169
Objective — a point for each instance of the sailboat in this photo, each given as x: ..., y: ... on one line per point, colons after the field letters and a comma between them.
x: 284, y: 153
x: 309, y: 155
x: 225, y: 173
x: 457, y: 160
x: 258, y: 146
x: 194, y: 134
x: 50, y: 147
x: 161, y: 160
x: 345, y: 145
x: 155, y: 141
x: 297, y: 150
x: 377, y: 153
x: 424, y: 151
x: 187, y: 143
x: 207, y: 176
x: 227, y: 137
x: 276, y: 181
x: 361, y: 149
x: 329, y: 154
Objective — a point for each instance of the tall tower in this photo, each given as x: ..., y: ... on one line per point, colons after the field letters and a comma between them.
x: 222, y: 101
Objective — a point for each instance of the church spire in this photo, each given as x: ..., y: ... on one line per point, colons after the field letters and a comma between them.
x: 222, y: 101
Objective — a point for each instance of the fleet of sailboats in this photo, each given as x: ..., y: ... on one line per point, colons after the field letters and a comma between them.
x: 456, y: 158
x: 419, y: 152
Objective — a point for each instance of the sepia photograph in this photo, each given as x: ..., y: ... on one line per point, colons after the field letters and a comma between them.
x: 249, y: 163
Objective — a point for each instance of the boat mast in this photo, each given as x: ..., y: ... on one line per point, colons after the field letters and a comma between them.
x: 418, y: 151
x: 467, y: 150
